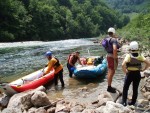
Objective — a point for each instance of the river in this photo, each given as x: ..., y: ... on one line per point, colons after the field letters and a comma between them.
x: 18, y: 59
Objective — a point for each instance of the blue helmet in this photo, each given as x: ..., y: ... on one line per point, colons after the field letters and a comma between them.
x: 48, y: 53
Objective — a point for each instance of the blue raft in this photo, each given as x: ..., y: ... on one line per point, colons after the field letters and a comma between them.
x: 91, y: 71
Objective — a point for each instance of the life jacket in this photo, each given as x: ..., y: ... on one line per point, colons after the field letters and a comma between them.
x: 74, y: 60
x: 57, y: 63
x: 90, y: 61
x: 134, y: 62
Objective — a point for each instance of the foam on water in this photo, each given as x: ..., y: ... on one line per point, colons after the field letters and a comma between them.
x: 62, y: 44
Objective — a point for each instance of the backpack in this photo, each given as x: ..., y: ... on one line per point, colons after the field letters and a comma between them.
x: 107, y: 45
x: 98, y: 60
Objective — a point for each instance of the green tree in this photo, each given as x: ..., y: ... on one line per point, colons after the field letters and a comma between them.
x: 13, y: 20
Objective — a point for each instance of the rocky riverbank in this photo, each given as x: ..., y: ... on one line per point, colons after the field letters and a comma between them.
x: 37, y: 101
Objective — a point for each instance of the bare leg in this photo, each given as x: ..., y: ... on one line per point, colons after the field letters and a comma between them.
x: 110, y: 76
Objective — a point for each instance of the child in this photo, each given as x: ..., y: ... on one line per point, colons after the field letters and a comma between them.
x: 131, y: 66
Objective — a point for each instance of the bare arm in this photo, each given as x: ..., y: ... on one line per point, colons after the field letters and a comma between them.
x: 124, y: 66
x: 147, y: 65
x: 79, y: 61
x: 115, y: 55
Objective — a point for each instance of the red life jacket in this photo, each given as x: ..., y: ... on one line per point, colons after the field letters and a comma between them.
x: 74, y: 59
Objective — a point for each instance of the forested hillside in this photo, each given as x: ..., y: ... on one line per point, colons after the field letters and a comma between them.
x: 138, y: 29
x: 129, y: 6
x: 22, y: 20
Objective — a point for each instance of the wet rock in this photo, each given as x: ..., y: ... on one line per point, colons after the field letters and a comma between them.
x: 143, y: 102
x: 40, y: 110
x: 112, y: 107
x: 148, y: 97
x: 73, y: 103
x: 32, y: 110
x: 51, y: 110
x: 40, y: 99
x: 4, y: 100
x: 105, y: 96
x: 84, y: 95
x: 61, y: 106
x: 143, y: 89
x: 41, y: 88
x: 13, y: 110
x: 21, y: 101
x: 78, y: 108
x: 83, y: 89
x: 37, y: 110
x: 146, y: 94
x: 90, y: 111
x: 147, y: 73
x: 103, y: 101
x: 91, y: 106
x: 147, y: 88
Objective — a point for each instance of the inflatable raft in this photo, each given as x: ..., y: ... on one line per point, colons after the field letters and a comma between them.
x: 27, y: 82
x: 91, y: 71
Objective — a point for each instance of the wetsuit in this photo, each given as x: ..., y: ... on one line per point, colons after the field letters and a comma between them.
x: 54, y: 63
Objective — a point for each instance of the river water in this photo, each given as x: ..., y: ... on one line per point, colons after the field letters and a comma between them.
x: 21, y: 58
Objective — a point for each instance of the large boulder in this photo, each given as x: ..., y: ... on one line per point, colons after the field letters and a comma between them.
x: 4, y: 100
x: 13, y: 110
x: 112, y: 107
x: 37, y: 110
x: 40, y: 99
x: 21, y: 101
x: 104, y: 97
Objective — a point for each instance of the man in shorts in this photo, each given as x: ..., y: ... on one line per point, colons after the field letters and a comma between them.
x: 112, y: 59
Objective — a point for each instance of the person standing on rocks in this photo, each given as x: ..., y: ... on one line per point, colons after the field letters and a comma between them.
x: 112, y: 58
x: 132, y: 66
x: 54, y: 63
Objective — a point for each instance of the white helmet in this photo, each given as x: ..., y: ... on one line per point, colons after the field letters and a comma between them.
x: 134, y: 45
x: 111, y: 29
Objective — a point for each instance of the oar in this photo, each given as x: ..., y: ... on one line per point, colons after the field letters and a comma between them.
x: 89, y: 52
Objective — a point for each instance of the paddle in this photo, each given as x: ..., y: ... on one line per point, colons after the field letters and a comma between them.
x: 89, y: 52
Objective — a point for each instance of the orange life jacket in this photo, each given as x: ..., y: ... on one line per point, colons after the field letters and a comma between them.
x: 74, y: 60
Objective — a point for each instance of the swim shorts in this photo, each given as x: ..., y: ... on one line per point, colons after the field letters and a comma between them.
x: 112, y: 63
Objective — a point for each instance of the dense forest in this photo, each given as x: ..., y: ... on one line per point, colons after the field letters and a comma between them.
x: 25, y: 20
x: 139, y: 26
x: 129, y: 6
x: 138, y: 29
